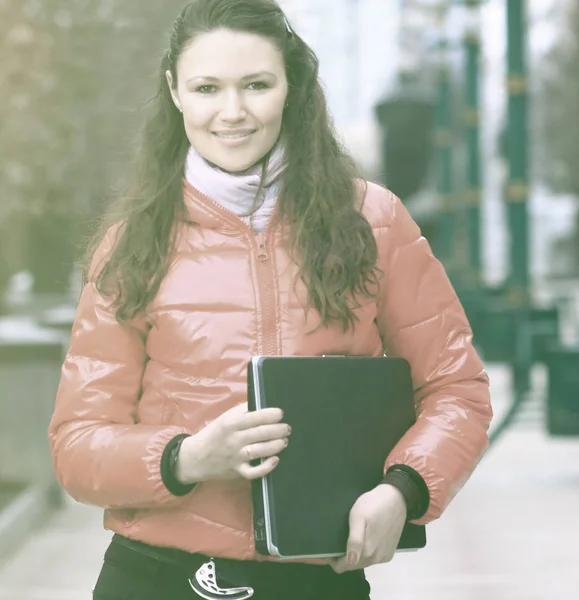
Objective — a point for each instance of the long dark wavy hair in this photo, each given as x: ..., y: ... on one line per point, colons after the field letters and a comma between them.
x: 320, y: 198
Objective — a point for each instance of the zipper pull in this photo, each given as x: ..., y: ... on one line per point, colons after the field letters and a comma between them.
x: 261, y: 254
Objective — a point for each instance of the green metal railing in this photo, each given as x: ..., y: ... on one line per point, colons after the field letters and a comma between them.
x: 444, y: 141
x: 471, y: 127
x: 507, y: 327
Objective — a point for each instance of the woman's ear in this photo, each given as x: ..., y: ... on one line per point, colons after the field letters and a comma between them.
x: 173, y: 90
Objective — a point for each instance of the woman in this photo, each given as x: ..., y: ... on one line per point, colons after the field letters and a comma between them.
x: 246, y: 230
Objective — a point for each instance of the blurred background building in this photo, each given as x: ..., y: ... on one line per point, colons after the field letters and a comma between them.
x: 365, y: 45
x: 465, y: 108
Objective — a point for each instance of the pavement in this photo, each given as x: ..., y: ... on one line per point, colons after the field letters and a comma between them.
x: 509, y: 535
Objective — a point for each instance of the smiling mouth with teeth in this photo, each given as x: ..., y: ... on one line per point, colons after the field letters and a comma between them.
x: 233, y: 136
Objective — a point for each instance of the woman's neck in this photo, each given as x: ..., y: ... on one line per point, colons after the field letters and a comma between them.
x: 241, y: 193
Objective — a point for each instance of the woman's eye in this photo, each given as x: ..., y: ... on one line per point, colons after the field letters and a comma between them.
x: 210, y: 89
x: 258, y: 85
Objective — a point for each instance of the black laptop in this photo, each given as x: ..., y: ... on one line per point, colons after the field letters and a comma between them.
x: 346, y: 414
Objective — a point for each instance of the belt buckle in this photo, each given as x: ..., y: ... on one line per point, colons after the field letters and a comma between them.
x: 204, y: 584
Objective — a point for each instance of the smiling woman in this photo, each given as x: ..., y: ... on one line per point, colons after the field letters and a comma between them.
x: 245, y: 230
x: 231, y: 88
x: 210, y: 106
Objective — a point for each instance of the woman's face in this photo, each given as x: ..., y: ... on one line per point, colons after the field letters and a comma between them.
x: 232, y: 89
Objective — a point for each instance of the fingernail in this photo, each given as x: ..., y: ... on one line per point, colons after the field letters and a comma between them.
x: 275, y: 461
x: 352, y: 558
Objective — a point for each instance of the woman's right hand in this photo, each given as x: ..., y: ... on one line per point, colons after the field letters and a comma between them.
x: 225, y: 448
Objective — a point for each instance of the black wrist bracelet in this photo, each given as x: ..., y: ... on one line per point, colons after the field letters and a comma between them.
x: 169, y: 467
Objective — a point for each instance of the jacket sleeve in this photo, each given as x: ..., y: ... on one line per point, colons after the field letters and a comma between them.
x: 421, y: 319
x: 101, y: 454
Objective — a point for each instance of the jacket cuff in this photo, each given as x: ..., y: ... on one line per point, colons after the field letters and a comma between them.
x: 168, y: 464
x: 412, y: 487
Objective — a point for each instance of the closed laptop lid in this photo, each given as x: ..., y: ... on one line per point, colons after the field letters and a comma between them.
x: 346, y: 414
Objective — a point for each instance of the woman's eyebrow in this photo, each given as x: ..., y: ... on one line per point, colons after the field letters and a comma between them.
x: 244, y: 78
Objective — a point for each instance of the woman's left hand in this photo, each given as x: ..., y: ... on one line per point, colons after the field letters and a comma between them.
x: 376, y: 523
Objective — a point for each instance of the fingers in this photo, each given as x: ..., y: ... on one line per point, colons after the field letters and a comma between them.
x: 263, y: 450
x: 264, y: 433
x: 352, y: 559
x: 249, y: 420
x: 356, y: 539
x: 248, y: 471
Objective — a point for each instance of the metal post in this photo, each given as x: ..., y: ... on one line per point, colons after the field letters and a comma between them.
x: 517, y: 191
x: 518, y: 300
x: 471, y: 123
x: 444, y: 141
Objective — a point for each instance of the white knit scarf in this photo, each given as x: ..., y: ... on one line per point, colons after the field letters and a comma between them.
x: 238, y: 192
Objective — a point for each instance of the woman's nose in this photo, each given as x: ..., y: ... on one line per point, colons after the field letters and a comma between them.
x: 233, y: 106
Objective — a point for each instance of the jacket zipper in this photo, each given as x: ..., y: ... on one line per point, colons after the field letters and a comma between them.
x: 265, y: 275
x: 266, y: 289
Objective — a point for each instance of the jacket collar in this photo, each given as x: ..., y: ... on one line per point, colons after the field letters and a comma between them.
x: 209, y: 214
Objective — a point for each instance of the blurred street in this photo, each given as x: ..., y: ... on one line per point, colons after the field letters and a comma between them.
x: 509, y: 535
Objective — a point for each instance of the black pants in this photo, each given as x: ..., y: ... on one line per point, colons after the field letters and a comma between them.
x: 131, y: 575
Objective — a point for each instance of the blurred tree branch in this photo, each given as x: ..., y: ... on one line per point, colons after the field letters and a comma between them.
x: 73, y: 75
